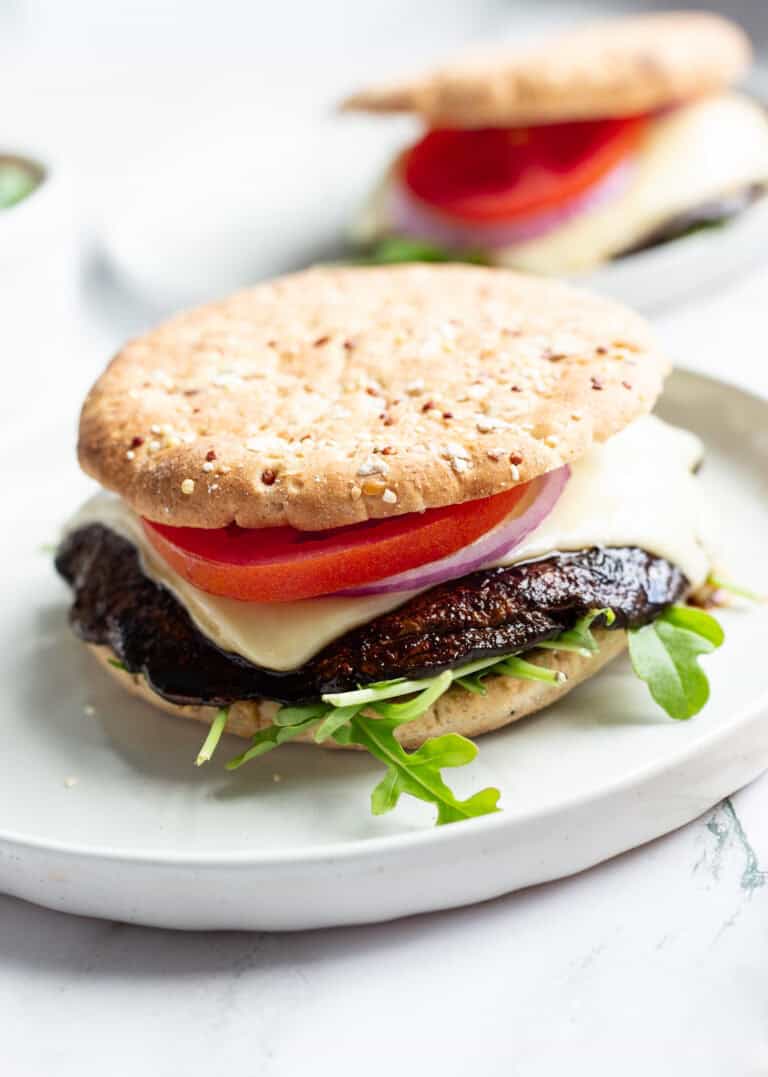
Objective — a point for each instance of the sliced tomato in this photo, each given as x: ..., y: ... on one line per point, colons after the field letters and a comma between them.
x: 497, y: 173
x: 280, y: 564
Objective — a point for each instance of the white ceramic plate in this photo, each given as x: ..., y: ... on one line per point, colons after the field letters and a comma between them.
x: 676, y: 271
x: 285, y: 201
x: 104, y: 813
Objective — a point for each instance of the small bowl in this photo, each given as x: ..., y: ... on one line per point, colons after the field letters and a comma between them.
x: 38, y: 277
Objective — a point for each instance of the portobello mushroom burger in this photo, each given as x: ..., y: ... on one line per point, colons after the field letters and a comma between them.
x: 388, y: 509
x: 574, y: 151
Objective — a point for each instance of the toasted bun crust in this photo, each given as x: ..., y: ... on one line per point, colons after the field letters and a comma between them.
x: 343, y: 394
x: 458, y: 711
x: 609, y: 68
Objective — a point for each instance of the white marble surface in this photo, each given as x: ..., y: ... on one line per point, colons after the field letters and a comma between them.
x: 651, y: 963
x: 654, y: 962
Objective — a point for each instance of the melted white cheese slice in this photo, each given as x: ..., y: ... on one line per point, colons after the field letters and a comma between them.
x: 690, y: 155
x: 635, y: 490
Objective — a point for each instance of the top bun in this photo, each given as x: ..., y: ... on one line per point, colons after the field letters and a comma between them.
x: 614, y: 67
x: 343, y: 394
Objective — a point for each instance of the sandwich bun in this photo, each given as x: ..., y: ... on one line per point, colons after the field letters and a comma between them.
x: 614, y: 67
x: 339, y: 395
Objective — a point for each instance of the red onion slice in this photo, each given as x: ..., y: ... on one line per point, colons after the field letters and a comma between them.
x: 539, y: 500
x: 412, y: 217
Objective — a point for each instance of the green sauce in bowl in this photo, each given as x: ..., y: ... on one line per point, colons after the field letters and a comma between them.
x: 18, y: 179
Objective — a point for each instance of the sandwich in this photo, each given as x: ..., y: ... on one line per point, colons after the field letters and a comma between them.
x: 586, y: 147
x: 389, y: 509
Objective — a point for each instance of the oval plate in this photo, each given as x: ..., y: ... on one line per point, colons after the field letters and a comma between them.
x: 673, y: 272
x: 103, y: 813
x: 157, y: 258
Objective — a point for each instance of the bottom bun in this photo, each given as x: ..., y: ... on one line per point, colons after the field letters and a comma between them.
x: 458, y: 711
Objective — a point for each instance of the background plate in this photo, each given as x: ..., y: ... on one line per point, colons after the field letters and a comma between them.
x: 103, y: 813
x: 267, y: 219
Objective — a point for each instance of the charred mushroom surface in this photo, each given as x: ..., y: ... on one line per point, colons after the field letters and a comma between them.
x: 492, y: 612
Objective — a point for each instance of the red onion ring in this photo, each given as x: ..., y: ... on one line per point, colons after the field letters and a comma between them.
x: 539, y: 500
x: 412, y: 217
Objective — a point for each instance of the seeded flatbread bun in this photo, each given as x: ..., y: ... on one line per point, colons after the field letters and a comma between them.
x: 458, y: 711
x: 609, y: 68
x: 342, y: 394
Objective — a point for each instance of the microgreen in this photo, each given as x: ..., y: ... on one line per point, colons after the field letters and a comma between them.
x: 579, y: 638
x: 735, y: 589
x: 214, y: 736
x: 664, y: 654
x: 268, y: 738
x: 338, y: 716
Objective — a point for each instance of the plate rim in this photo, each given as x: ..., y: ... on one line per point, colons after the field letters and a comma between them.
x: 387, y: 844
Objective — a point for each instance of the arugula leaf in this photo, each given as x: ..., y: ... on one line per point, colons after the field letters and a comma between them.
x: 211, y: 742
x: 294, y: 715
x: 117, y: 664
x: 418, y: 773
x: 335, y: 719
x: 695, y: 620
x: 395, y: 249
x: 579, y: 638
x: 665, y: 655
x: 267, y: 739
